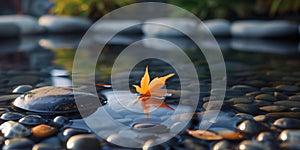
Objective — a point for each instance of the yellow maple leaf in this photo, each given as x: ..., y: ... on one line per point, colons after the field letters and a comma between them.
x: 152, y: 88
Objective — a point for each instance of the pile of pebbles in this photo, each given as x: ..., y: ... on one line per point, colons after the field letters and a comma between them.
x: 261, y: 110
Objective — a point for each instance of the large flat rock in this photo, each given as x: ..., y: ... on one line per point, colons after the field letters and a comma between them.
x: 122, y: 26
x: 218, y: 27
x: 26, y: 24
x: 170, y: 27
x: 261, y: 28
x: 64, y: 24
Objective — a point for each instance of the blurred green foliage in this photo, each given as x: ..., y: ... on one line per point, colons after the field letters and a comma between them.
x: 239, y: 8
x: 92, y: 9
x: 231, y: 9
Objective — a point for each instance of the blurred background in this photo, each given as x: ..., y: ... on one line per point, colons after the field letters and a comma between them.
x: 205, y: 9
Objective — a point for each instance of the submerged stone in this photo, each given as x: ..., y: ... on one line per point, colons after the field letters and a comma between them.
x: 12, y: 129
x: 56, y: 100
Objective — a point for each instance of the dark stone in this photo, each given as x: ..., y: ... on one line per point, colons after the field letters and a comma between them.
x: 263, y: 28
x: 287, y: 123
x: 83, y: 141
x: 18, y: 144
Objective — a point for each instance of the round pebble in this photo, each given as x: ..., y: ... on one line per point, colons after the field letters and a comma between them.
x: 42, y: 146
x: 22, y: 89
x: 265, y: 137
x: 32, y: 120
x: 11, y: 116
x: 12, y: 129
x: 280, y: 96
x: 274, y: 108
x: 150, y: 128
x: 265, y: 97
x: 222, y: 145
x: 287, y: 88
x: 61, y: 120
x: 69, y: 132
x: 18, y: 144
x: 290, y: 136
x: 250, y: 145
x: 84, y: 141
x: 43, y: 130
x: 250, y: 127
x: 287, y: 123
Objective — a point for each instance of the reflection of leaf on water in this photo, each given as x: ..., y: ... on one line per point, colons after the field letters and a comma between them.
x: 146, y: 102
x: 150, y: 91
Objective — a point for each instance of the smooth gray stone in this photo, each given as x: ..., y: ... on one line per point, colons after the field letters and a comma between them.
x: 290, y: 136
x: 169, y: 43
x: 116, y: 40
x: 165, y: 27
x: 264, y: 45
x: 262, y: 28
x: 287, y: 123
x: 122, y: 26
x: 83, y: 141
x: 8, y: 30
x: 218, y: 27
x: 27, y: 24
x: 63, y: 24
x: 11, y: 129
x: 22, y: 89
x: 18, y: 143
x: 250, y: 145
x: 60, y: 41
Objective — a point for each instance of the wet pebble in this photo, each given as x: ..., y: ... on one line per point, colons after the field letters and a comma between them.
x: 84, y: 141
x: 69, y: 132
x: 247, y: 108
x: 42, y: 146
x: 265, y: 137
x: 22, y: 89
x: 61, y: 120
x: 288, y: 103
x: 284, y: 115
x: 54, y: 141
x: 43, y: 130
x: 244, y: 116
x: 150, y: 127
x: 251, y: 145
x: 244, y: 88
x: 124, y: 141
x: 291, y: 136
x: 250, y: 127
x: 290, y: 146
x: 223, y: 145
x: 18, y: 144
x: 14, y: 116
x: 52, y: 99
x: 265, y: 97
x: 12, y: 129
x: 32, y: 120
x: 294, y: 98
x: 287, y: 88
x: 287, y: 123
x: 261, y: 118
x: 274, y: 108
x: 280, y: 96
x: 240, y: 100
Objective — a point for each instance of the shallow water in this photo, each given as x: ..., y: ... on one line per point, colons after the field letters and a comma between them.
x: 254, y: 66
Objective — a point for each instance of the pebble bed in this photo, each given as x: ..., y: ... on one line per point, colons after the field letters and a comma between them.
x: 261, y: 109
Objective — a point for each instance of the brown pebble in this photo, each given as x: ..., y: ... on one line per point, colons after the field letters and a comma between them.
x: 43, y: 131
